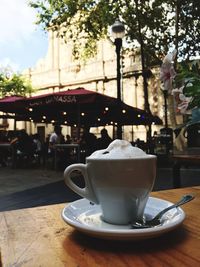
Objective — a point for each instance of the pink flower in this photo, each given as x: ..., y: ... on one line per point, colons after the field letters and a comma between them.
x: 181, y: 100
x: 169, y: 58
x: 167, y: 71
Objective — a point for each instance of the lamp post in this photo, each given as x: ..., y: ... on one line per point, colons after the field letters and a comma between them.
x: 118, y: 32
x: 167, y: 132
x: 165, y: 93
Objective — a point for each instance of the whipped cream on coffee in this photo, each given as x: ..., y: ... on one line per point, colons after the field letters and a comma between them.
x: 119, y: 149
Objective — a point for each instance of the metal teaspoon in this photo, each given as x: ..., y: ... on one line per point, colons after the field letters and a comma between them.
x: 157, y: 219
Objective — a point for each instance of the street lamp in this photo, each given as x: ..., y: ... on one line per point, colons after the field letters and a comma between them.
x: 165, y: 93
x: 118, y: 32
x: 167, y: 132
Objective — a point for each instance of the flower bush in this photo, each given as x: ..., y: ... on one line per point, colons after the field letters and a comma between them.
x: 187, y: 91
x: 184, y: 84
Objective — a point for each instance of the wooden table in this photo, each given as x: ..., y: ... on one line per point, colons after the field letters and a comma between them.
x: 179, y: 161
x: 38, y: 236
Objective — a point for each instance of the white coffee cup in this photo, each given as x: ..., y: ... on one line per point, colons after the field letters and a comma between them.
x: 120, y: 186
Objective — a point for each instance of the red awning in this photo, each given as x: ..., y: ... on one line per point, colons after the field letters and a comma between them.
x: 12, y: 104
x: 80, y: 107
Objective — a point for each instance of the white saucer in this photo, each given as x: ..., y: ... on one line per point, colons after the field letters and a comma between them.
x: 86, y: 218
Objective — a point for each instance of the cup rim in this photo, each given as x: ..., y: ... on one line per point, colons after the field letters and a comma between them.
x: 148, y: 156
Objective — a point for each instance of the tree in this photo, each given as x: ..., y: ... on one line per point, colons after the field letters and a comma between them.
x: 154, y: 26
x: 187, y: 28
x: 162, y: 23
x: 87, y: 21
x: 13, y: 84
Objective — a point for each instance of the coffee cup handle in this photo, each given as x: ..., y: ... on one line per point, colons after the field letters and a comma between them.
x: 87, y: 191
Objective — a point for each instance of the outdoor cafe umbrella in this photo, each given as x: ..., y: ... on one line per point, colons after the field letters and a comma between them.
x: 76, y: 107
x: 12, y: 104
x: 84, y: 107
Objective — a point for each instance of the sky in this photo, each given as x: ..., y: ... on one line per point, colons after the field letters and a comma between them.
x: 22, y: 42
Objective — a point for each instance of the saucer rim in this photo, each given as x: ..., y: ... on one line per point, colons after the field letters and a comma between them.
x: 121, y: 234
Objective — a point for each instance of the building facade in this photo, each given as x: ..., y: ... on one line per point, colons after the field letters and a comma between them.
x: 59, y: 71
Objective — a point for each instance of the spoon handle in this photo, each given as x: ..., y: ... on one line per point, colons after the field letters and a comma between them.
x: 183, y: 200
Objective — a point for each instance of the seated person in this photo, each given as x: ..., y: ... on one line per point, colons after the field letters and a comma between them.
x: 3, y: 151
x: 25, y: 144
x: 68, y: 139
x: 87, y: 142
x: 56, y: 138
x: 23, y: 149
x: 104, y: 141
x: 37, y: 146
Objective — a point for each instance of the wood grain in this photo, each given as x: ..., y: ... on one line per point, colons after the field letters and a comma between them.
x: 39, y: 237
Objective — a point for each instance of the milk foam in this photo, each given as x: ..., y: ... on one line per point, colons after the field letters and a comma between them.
x: 119, y: 149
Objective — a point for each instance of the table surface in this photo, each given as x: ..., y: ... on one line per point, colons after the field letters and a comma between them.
x: 5, y: 145
x: 67, y: 145
x: 188, y: 157
x: 39, y: 237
